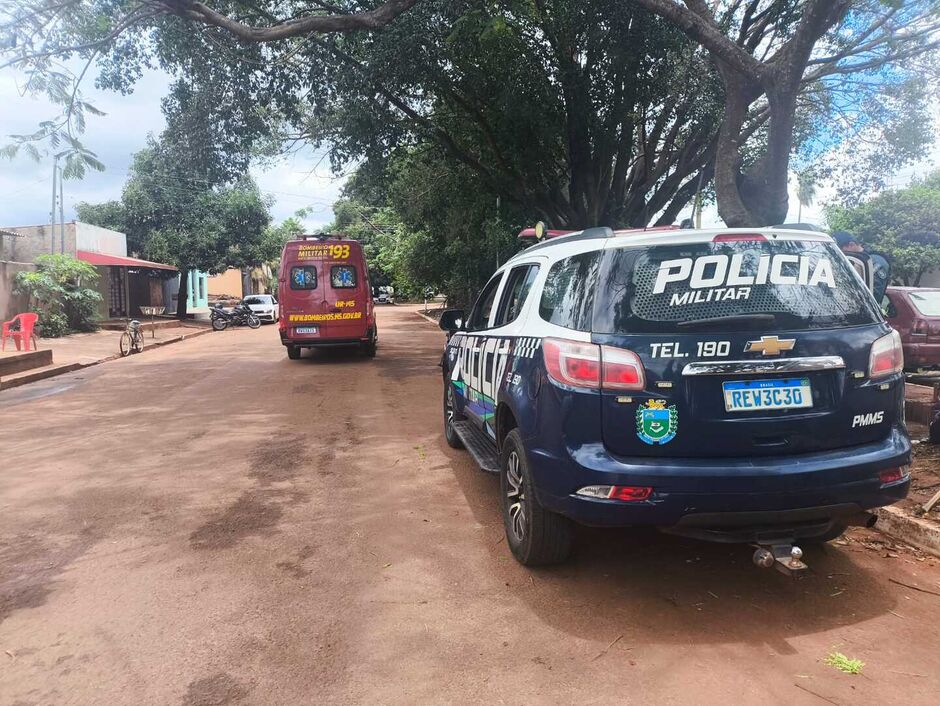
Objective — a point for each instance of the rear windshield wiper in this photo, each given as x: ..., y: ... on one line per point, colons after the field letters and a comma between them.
x: 740, y: 318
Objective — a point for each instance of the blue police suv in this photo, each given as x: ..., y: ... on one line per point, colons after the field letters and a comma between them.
x: 731, y: 385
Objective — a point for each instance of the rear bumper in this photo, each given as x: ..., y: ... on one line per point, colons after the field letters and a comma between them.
x: 921, y: 355
x: 771, y: 493
x: 325, y: 342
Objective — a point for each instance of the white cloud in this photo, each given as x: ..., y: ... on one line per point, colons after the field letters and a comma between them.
x: 297, y: 181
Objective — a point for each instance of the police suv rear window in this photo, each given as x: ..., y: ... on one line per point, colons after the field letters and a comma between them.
x: 568, y: 294
x: 738, y: 285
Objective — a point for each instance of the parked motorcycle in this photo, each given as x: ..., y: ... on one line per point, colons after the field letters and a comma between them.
x: 240, y: 315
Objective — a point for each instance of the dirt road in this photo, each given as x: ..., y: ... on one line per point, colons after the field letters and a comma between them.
x: 211, y: 523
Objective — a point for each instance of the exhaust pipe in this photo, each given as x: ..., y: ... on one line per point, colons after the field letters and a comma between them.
x: 862, y: 519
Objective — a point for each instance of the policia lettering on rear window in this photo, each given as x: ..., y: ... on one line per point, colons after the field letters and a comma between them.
x: 797, y: 285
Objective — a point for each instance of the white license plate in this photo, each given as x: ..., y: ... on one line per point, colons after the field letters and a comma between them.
x: 753, y: 395
x: 306, y: 329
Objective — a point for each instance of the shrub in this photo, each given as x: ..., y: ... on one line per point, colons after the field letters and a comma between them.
x: 53, y: 324
x: 57, y: 292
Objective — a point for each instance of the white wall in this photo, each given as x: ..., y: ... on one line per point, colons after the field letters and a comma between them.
x: 101, y: 240
x: 930, y: 279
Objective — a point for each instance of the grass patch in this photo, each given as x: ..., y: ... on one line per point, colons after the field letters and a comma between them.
x: 844, y: 664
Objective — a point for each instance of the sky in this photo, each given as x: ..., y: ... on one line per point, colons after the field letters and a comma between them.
x: 300, y: 180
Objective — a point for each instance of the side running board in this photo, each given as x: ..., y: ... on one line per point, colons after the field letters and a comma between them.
x: 480, y: 446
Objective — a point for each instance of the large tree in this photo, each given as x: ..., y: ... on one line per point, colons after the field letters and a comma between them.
x: 172, y: 216
x: 584, y: 112
x: 768, y: 52
x: 903, y: 224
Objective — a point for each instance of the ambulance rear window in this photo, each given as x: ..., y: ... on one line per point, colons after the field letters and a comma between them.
x: 303, y: 277
x: 343, y: 277
x: 790, y: 285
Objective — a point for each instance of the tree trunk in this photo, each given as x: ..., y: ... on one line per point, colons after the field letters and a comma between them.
x: 738, y: 97
x: 182, y: 298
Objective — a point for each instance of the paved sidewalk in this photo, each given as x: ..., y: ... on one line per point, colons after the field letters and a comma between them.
x: 80, y: 350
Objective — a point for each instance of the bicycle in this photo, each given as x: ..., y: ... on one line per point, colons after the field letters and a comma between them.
x: 132, y: 340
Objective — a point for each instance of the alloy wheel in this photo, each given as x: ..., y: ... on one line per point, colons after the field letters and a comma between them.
x: 515, y: 496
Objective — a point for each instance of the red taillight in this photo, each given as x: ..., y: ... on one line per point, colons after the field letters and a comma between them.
x: 623, y: 493
x: 587, y: 365
x: 887, y: 356
x: 892, y: 475
x: 630, y: 493
x: 739, y: 238
x: 572, y: 363
x: 622, y: 369
x: 919, y: 327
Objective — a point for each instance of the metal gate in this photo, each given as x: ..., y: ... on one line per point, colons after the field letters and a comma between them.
x: 117, y: 294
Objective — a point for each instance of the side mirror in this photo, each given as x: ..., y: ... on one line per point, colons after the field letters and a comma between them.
x: 451, y: 320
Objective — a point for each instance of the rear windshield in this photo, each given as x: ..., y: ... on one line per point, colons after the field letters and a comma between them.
x: 343, y: 277
x: 734, y: 286
x: 303, y: 277
x: 927, y: 303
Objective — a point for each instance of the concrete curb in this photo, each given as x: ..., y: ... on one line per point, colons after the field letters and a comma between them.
x: 36, y: 376
x: 920, y: 533
x: 427, y: 318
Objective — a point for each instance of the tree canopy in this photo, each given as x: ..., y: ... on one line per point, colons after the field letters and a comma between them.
x: 580, y: 112
x: 903, y: 224
x: 171, y: 216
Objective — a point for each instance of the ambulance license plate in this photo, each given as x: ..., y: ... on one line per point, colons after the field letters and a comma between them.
x: 754, y: 395
x: 306, y: 329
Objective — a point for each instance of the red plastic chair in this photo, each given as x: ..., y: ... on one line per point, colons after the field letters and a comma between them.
x: 25, y: 333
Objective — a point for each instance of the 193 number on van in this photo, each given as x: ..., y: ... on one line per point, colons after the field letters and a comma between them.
x: 339, y: 252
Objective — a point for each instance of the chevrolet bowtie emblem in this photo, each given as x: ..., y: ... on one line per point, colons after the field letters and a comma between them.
x: 770, y: 345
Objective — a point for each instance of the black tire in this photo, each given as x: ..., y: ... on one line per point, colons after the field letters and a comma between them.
x: 127, y: 344
x: 536, y: 536
x: 451, y: 415
x: 254, y: 322
x: 219, y: 324
x: 293, y: 352
x: 139, y: 343
x: 369, y: 348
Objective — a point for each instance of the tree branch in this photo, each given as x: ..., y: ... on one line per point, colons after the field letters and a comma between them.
x: 307, y: 24
x: 703, y: 30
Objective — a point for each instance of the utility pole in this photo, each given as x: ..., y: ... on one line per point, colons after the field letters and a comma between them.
x: 61, y: 213
x: 55, y: 168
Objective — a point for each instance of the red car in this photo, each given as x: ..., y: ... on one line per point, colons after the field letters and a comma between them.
x: 325, y: 297
x: 914, y: 312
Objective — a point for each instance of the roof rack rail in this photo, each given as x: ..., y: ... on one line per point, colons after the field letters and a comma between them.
x: 321, y: 236
x: 652, y: 229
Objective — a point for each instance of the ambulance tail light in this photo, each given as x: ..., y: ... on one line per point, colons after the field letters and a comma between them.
x: 585, y: 365
x: 572, y: 363
x: 622, y: 369
x: 887, y: 356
